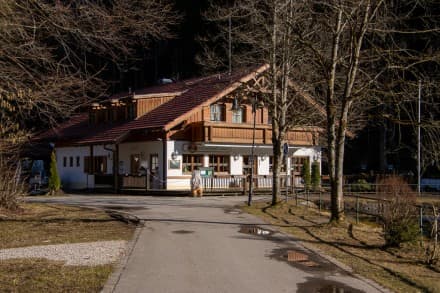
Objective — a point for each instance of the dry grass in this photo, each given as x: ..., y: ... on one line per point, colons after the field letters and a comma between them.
x: 36, y: 275
x: 40, y: 224
x: 358, y: 246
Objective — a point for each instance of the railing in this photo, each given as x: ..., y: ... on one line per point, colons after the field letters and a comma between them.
x: 240, y: 183
x: 360, y: 204
x: 134, y: 182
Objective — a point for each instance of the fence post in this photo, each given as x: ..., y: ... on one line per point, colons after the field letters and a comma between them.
x: 307, y: 199
x: 357, y: 209
x: 320, y: 195
x: 296, y: 197
x: 421, y: 221
x: 243, y: 181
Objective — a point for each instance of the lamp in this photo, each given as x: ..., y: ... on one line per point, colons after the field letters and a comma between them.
x: 264, y: 157
x: 235, y: 106
x: 174, y: 155
x: 256, y: 104
x: 235, y: 157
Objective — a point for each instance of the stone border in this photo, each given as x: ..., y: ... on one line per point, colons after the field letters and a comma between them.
x: 119, y: 267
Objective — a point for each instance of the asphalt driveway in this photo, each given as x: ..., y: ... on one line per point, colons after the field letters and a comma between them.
x: 209, y: 245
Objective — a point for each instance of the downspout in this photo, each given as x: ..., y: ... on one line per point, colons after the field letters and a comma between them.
x: 164, y: 162
x: 115, y: 155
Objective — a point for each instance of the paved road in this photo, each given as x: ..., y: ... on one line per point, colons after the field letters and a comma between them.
x: 208, y: 245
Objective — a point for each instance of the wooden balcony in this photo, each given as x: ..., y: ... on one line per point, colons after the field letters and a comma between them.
x: 242, y: 133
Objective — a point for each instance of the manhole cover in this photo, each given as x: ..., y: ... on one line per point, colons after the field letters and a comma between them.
x: 183, y: 232
x: 255, y: 230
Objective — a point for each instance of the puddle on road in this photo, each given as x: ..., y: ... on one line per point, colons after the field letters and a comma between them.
x: 126, y: 208
x: 315, y: 285
x: 183, y: 232
x: 255, y: 230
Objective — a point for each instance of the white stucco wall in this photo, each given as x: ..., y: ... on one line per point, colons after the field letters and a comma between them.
x: 236, y: 165
x: 312, y: 153
x: 263, y: 165
x: 74, y: 177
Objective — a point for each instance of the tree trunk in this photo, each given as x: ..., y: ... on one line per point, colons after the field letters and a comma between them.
x: 277, y: 162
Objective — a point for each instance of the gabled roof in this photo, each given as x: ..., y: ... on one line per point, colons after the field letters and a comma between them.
x: 193, y: 94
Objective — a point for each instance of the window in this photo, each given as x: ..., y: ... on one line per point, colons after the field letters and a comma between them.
x: 135, y: 163
x: 64, y: 162
x: 237, y: 116
x: 247, y: 165
x: 219, y: 163
x: 96, y: 166
x: 77, y: 161
x: 191, y: 163
x: 154, y: 163
x: 217, y: 112
x: 71, y: 161
x: 297, y: 164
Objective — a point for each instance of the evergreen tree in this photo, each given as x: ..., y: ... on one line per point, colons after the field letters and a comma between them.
x: 316, y: 176
x: 305, y: 173
x: 54, y: 179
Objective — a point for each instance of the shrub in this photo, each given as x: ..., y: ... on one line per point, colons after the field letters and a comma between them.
x: 316, y: 176
x: 361, y: 185
x: 305, y: 173
x: 399, y: 212
x: 54, y: 179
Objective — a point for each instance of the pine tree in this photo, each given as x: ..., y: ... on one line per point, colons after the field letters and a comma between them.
x: 316, y: 176
x: 54, y: 179
x: 305, y: 173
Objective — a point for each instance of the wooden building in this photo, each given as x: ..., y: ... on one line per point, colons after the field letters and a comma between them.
x: 154, y: 138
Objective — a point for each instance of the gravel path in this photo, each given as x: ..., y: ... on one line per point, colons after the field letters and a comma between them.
x: 77, y: 254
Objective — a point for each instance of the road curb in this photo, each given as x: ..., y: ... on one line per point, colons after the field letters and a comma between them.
x: 342, y: 266
x: 119, y: 268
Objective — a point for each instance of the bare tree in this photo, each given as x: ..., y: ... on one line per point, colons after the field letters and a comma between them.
x: 261, y: 33
x: 345, y: 53
x: 52, y: 53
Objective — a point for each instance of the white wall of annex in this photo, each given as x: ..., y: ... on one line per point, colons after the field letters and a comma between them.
x: 73, y: 177
x: 311, y: 152
x: 144, y: 150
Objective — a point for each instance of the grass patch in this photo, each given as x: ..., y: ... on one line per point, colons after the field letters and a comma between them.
x: 37, y: 275
x: 358, y: 246
x: 42, y: 224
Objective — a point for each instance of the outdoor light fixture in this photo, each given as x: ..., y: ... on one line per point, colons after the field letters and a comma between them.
x: 236, y: 157
x: 264, y: 157
x: 235, y: 106
x: 174, y: 155
x: 256, y: 104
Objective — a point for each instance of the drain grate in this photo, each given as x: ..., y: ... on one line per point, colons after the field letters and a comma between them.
x: 296, y: 256
x: 302, y: 258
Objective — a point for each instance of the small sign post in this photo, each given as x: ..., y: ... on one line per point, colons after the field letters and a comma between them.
x: 286, y: 152
x: 285, y: 149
